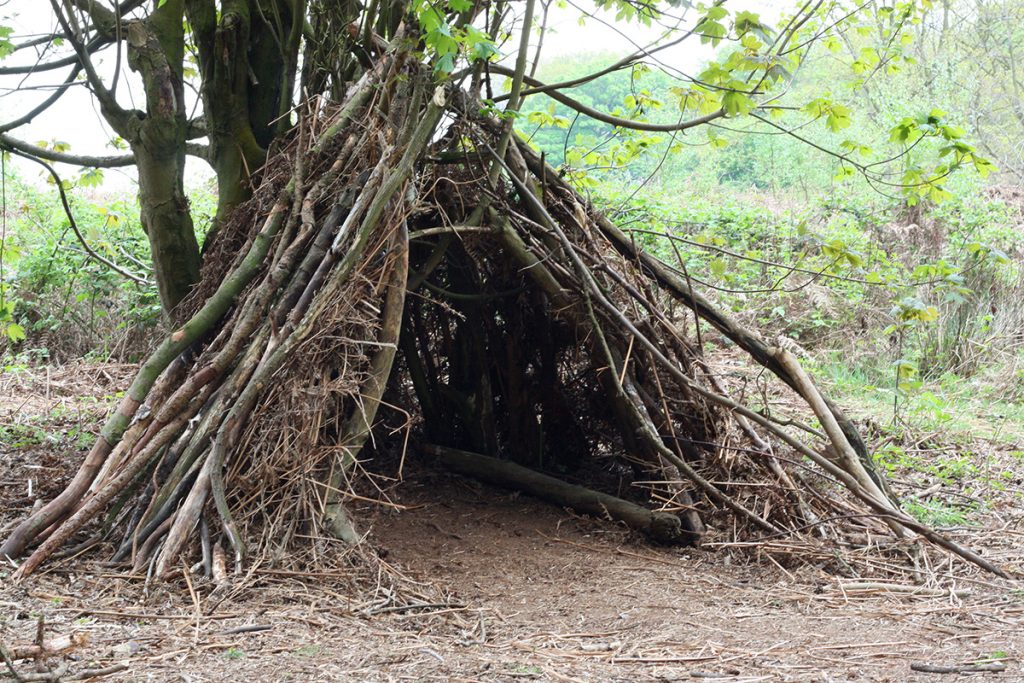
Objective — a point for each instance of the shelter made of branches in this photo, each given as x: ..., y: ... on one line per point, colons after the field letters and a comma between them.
x: 404, y: 249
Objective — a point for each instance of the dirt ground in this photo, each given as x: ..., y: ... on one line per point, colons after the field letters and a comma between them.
x: 510, y: 589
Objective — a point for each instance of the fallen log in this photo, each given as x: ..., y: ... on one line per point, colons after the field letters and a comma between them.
x: 661, y: 527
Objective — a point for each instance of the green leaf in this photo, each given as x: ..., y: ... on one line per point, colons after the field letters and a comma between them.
x: 92, y: 177
x: 905, y: 368
x: 736, y: 103
x: 716, y: 141
x: 15, y: 332
x: 745, y: 22
x: 710, y: 29
x: 6, y: 46
x: 999, y: 257
x: 983, y: 166
x: 938, y: 195
x: 444, y: 64
x: 716, y: 12
x: 844, y: 171
x: 751, y: 42
x: 838, y: 118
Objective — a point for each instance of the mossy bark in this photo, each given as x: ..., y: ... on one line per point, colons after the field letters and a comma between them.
x: 158, y: 139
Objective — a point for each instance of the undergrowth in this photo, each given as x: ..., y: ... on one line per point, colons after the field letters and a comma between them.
x: 57, y: 302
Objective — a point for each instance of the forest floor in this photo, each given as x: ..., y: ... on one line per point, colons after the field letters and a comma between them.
x: 510, y: 589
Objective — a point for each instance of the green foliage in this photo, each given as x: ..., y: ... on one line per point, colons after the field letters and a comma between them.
x: 6, y: 46
x: 937, y: 515
x: 445, y: 40
x: 15, y: 436
x: 53, y: 296
x: 584, y: 144
x: 901, y: 146
x: 870, y: 156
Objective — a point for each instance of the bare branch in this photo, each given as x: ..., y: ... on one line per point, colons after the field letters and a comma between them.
x: 102, y: 39
x: 28, y: 150
x: 517, y: 83
x: 49, y: 66
x: 104, y: 20
x: 113, y: 112
x: 45, y: 104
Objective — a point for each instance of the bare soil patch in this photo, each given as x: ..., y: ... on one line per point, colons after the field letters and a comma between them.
x: 499, y: 587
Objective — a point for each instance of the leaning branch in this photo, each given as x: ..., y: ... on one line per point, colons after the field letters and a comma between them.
x: 517, y: 83
x: 876, y: 498
x: 663, y: 527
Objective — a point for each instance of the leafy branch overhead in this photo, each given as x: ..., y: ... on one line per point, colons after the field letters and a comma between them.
x: 752, y: 85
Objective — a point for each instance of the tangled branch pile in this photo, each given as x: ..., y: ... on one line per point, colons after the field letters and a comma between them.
x: 405, y: 249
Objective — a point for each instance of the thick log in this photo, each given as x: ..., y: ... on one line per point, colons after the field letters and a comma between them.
x: 661, y: 527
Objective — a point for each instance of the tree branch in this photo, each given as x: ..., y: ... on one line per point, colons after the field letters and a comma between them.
x: 517, y: 84
x: 623, y: 63
x: 101, y: 40
x: 113, y: 112
x: 197, y: 128
x: 202, y: 17
x: 36, y: 153
x: 194, y: 149
x: 40, y: 67
x: 608, y: 118
x: 104, y: 21
x: 45, y: 104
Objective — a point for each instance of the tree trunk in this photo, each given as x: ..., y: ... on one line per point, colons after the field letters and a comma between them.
x: 248, y: 58
x: 156, y: 52
x: 165, y: 213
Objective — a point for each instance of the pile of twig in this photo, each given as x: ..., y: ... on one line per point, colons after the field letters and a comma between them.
x: 530, y: 328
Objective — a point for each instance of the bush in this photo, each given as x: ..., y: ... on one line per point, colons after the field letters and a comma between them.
x: 61, y: 302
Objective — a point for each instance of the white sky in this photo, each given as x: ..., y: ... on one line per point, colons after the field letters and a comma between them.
x: 76, y: 118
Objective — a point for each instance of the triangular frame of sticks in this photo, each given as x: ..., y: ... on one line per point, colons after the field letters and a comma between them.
x: 405, y: 223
